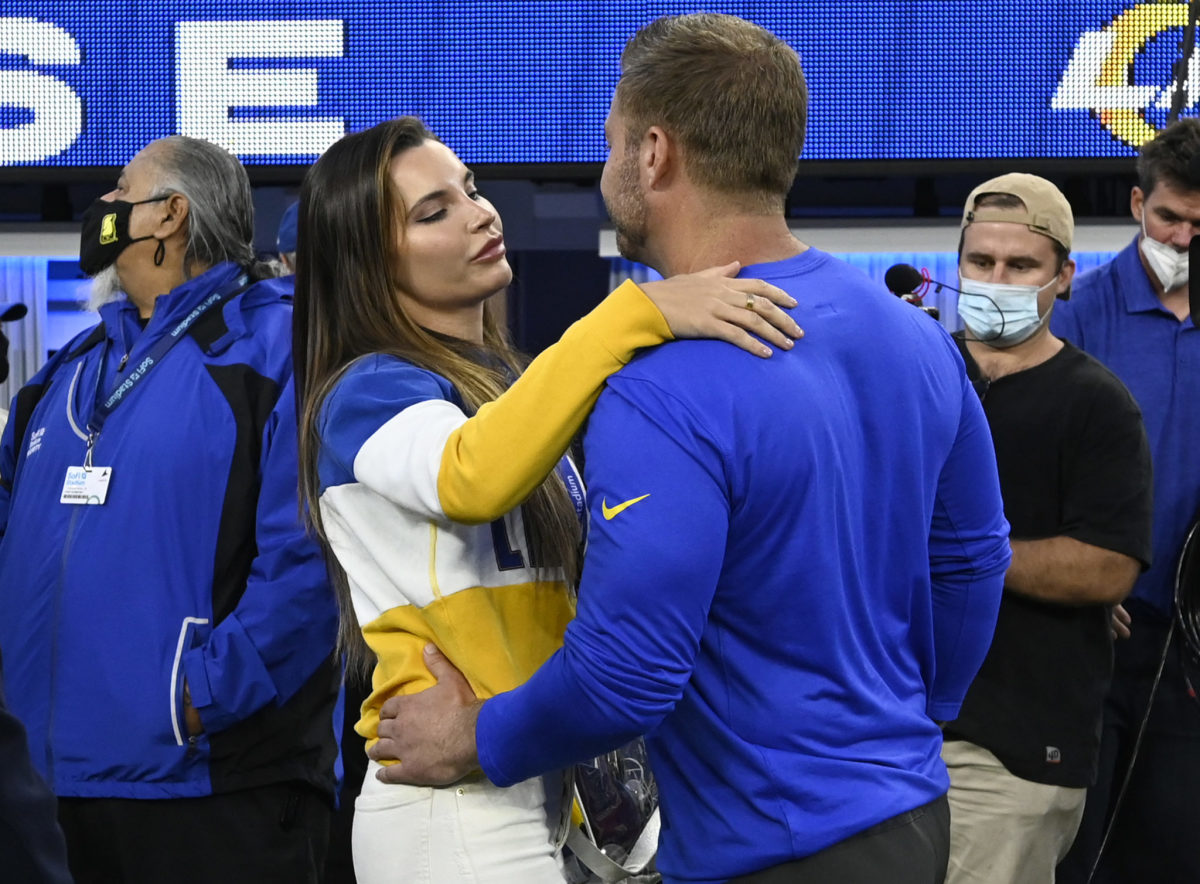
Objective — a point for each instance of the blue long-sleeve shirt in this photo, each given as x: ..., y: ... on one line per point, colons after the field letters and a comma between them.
x: 794, y: 566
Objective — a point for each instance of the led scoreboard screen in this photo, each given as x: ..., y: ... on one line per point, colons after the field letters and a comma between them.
x: 86, y: 84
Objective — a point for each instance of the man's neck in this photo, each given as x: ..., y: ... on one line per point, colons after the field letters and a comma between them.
x: 697, y: 240
x: 152, y: 283
x: 996, y: 362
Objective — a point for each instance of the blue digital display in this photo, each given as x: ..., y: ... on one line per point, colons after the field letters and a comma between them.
x: 89, y: 83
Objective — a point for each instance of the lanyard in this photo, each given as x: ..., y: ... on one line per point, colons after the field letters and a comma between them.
x: 106, y: 405
x: 574, y: 488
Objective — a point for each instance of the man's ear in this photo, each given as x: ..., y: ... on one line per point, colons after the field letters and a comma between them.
x: 173, y: 214
x: 658, y: 158
x: 1137, y: 203
x: 1067, y: 276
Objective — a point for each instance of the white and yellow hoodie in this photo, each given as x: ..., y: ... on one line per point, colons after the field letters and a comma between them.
x: 421, y: 504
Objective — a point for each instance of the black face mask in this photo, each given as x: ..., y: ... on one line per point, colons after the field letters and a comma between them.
x: 105, y: 233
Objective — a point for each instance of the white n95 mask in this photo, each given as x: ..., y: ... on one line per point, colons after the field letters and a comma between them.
x: 1170, y: 266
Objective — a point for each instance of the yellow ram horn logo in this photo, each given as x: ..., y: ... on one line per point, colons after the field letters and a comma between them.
x: 1099, y: 77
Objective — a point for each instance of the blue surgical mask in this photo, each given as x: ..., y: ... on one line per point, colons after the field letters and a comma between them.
x: 1001, y: 315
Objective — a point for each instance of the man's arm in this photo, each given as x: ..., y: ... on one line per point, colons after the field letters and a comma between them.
x: 1069, y: 571
x: 658, y: 530
x: 1106, y: 505
x: 968, y: 555
x: 284, y: 626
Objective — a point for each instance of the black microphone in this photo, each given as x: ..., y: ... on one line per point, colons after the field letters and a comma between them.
x: 912, y: 285
x: 904, y: 279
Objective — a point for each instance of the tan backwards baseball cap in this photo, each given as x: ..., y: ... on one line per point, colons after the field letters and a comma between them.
x: 1046, y: 210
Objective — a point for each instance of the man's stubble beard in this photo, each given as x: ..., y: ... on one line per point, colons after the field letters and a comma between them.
x: 628, y: 213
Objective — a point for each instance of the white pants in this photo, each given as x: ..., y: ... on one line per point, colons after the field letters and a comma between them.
x: 1003, y: 829
x: 472, y: 832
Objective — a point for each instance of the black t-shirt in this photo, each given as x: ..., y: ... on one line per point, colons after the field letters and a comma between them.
x: 1074, y: 462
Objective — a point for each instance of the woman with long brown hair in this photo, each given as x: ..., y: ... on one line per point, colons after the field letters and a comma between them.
x: 433, y: 470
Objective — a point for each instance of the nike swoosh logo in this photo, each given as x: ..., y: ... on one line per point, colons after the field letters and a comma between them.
x: 609, y: 512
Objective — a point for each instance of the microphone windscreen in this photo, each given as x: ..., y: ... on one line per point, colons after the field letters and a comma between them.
x: 903, y: 279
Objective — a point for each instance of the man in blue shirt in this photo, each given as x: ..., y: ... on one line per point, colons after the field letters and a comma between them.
x: 1132, y: 314
x: 793, y: 567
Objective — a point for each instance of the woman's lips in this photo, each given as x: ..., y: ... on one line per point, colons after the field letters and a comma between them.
x: 492, y: 251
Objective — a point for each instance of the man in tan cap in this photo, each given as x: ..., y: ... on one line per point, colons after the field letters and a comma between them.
x: 1075, y: 477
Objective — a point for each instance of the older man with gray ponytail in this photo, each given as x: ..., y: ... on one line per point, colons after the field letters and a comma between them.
x: 167, y: 627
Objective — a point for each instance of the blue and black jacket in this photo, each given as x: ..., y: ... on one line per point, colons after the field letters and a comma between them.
x: 196, y: 569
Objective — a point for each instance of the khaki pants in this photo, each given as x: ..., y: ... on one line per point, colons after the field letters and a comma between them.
x: 1003, y: 829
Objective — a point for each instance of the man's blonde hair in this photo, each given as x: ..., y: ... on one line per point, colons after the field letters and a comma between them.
x: 730, y: 92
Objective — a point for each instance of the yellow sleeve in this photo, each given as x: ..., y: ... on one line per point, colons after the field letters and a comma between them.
x: 494, y: 460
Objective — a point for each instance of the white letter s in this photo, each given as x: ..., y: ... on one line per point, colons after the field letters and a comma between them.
x: 57, y: 110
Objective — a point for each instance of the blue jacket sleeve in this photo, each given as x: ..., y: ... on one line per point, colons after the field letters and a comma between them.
x: 632, y: 647
x: 969, y: 554
x: 285, y: 624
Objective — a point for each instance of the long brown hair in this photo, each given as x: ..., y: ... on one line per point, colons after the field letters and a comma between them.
x: 346, y: 307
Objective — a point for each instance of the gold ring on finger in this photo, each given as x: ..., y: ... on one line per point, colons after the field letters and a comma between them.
x: 750, y: 302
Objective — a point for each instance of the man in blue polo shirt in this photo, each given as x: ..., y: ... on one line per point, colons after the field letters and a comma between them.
x: 1132, y: 314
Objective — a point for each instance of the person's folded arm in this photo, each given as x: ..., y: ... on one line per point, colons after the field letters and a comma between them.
x: 476, y: 470
x: 1106, y: 504
x: 431, y: 459
x: 1070, y: 572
